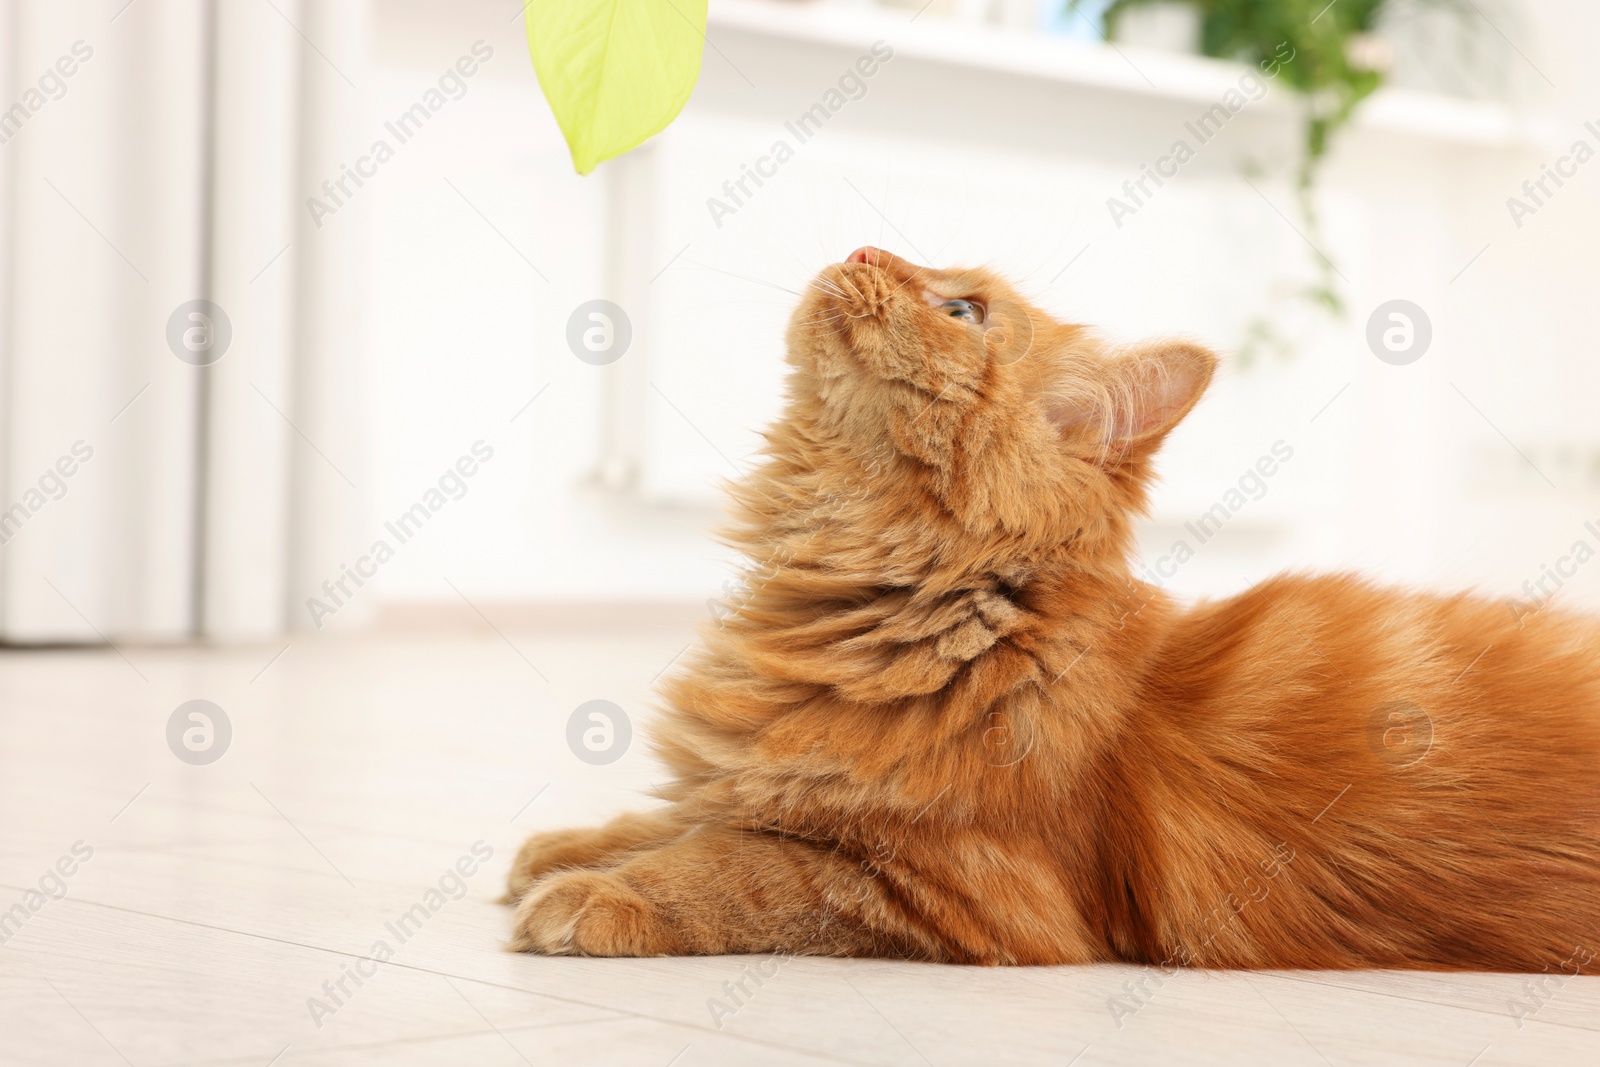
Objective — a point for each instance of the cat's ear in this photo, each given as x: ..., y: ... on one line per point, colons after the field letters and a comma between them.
x: 1137, y: 399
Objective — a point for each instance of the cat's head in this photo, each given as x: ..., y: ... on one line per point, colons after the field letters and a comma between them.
x: 1013, y: 420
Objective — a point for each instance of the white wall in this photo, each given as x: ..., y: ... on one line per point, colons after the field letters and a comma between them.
x: 1399, y: 476
x: 465, y: 332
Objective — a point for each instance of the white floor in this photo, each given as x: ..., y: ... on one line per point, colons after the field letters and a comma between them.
x: 220, y: 898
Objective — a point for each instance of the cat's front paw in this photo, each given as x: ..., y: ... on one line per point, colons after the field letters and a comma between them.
x: 551, y: 851
x: 593, y: 846
x: 588, y: 913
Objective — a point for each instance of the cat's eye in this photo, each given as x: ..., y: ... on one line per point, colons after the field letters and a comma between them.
x: 965, y: 310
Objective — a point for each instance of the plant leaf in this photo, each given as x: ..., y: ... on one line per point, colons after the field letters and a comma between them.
x: 615, y: 72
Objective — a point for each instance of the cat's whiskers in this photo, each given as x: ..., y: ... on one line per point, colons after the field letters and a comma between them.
x: 844, y: 279
x: 915, y: 276
x: 831, y: 316
x: 741, y: 277
x: 860, y: 296
x: 829, y: 307
x: 825, y: 286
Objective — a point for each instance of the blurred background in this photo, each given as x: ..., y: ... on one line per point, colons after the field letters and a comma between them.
x: 285, y: 282
x: 360, y: 465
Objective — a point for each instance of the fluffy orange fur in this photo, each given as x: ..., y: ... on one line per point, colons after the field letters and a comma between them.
x: 945, y: 722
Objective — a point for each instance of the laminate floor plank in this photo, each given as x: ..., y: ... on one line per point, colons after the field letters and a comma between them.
x: 227, y: 908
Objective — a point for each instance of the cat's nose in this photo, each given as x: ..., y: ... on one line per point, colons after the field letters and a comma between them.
x: 868, y: 255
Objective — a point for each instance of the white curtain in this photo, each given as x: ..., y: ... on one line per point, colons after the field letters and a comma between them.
x: 153, y: 154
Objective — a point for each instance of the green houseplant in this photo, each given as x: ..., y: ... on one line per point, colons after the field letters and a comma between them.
x: 1339, y: 61
x: 1334, y: 69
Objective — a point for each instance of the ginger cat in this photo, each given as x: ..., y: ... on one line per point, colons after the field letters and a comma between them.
x: 945, y: 722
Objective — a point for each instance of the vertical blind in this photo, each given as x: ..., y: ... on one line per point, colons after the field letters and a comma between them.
x: 180, y: 342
